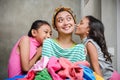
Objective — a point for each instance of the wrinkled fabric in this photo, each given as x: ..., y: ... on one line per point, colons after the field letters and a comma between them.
x: 53, y: 67
x: 115, y: 76
x: 30, y: 76
x: 43, y: 75
x: 16, y: 77
x: 98, y: 77
x: 61, y: 68
x: 41, y: 64
x: 69, y: 70
x: 87, y: 73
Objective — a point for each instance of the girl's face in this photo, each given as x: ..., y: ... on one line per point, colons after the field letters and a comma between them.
x: 43, y: 32
x: 64, y: 22
x: 82, y: 28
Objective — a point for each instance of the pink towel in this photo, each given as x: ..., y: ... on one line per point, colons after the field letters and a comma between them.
x: 53, y: 67
x: 41, y: 64
x: 71, y: 70
x: 115, y: 76
x: 62, y: 68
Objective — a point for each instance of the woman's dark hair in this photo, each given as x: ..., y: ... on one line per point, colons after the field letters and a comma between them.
x: 97, y: 34
x: 36, y: 25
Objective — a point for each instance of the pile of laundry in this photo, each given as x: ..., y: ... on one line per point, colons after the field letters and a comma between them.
x: 60, y: 69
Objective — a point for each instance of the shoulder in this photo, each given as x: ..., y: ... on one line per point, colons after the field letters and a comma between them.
x: 89, y: 42
x: 79, y: 45
x: 48, y: 40
x: 24, y: 39
x: 91, y: 47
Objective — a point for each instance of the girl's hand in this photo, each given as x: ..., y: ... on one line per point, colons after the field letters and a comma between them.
x: 39, y: 51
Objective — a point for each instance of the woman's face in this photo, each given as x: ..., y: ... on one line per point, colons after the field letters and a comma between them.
x: 82, y: 28
x: 64, y: 22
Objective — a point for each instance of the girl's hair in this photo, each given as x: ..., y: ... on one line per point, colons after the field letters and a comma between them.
x: 97, y: 34
x: 36, y: 25
x: 61, y: 9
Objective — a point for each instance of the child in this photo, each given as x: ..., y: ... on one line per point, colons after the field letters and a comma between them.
x: 91, y: 32
x: 28, y: 48
x: 63, y: 45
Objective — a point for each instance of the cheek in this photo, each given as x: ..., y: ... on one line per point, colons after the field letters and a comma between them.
x: 41, y: 38
x: 58, y: 26
x: 72, y: 22
x: 77, y: 30
x: 80, y: 30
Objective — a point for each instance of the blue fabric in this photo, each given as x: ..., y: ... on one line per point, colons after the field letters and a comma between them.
x: 16, y: 77
x: 87, y: 73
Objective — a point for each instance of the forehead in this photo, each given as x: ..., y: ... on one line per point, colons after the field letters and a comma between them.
x: 85, y: 20
x: 63, y: 14
x: 45, y: 26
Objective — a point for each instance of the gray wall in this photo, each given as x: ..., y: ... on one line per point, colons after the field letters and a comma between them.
x: 118, y: 35
x: 16, y: 17
x: 109, y: 18
x: 91, y: 7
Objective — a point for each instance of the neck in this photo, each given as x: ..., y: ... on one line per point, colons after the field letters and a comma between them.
x: 65, y: 41
x: 82, y: 36
x: 65, y: 38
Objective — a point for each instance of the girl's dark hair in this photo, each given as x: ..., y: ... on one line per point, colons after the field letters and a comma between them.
x: 36, y: 25
x: 97, y: 34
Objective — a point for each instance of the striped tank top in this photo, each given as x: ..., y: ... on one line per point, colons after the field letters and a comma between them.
x: 74, y: 54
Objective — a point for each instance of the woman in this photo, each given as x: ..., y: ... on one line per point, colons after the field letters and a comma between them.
x: 63, y: 45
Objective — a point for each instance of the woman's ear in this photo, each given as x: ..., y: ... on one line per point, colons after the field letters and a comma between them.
x: 34, y: 32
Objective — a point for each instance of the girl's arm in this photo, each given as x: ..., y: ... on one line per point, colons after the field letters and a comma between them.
x: 24, y: 47
x: 93, y: 55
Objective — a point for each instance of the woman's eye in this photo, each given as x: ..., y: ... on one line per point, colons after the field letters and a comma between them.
x: 68, y: 18
x: 60, y: 20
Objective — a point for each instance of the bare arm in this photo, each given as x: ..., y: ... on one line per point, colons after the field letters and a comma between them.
x: 93, y: 55
x: 24, y: 47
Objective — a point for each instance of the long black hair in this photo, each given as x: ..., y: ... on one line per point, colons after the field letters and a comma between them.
x: 97, y: 34
x: 36, y: 25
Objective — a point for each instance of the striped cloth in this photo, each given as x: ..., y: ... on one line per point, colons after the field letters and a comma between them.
x: 74, y: 54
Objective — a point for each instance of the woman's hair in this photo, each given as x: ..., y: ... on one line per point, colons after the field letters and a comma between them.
x: 36, y: 25
x: 61, y: 9
x: 97, y: 34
